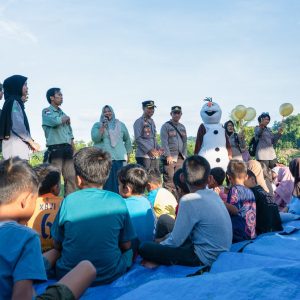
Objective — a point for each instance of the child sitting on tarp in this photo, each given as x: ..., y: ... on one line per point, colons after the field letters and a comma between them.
x: 294, y: 205
x: 21, y: 260
x: 132, y: 184
x: 202, y: 227
x: 240, y: 203
x: 92, y: 223
x: 165, y: 223
x: 267, y: 213
x: 47, y: 204
x: 162, y: 201
x: 215, y: 182
x: 284, y: 185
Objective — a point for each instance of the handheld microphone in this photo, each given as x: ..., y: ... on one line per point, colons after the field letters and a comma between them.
x: 105, y: 121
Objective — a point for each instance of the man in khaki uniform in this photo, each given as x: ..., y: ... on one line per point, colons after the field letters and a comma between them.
x: 59, y: 138
x: 148, y: 151
x: 174, y: 142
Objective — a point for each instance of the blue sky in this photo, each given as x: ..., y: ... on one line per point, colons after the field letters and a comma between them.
x: 174, y: 52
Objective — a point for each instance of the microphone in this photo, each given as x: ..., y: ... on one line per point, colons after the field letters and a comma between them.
x: 105, y: 121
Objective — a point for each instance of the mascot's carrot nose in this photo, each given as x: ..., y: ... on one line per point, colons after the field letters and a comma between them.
x: 209, y: 104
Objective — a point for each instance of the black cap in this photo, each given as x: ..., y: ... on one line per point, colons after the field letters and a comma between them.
x: 148, y: 104
x: 176, y: 108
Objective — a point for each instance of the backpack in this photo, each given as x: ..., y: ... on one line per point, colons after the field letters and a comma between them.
x: 267, y: 213
x: 252, y: 146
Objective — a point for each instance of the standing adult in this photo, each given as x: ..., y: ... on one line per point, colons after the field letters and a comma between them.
x: 237, y: 141
x: 111, y: 135
x: 174, y: 142
x: 14, y: 126
x: 59, y: 138
x: 265, y: 152
x: 1, y: 95
x: 148, y: 151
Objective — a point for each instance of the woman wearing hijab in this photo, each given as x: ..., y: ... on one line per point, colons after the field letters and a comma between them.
x: 237, y: 141
x: 112, y: 136
x: 294, y: 206
x: 14, y: 126
x: 256, y: 168
x: 284, y: 186
x: 265, y: 152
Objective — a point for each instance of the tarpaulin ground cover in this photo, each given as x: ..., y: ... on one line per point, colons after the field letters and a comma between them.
x: 267, y: 268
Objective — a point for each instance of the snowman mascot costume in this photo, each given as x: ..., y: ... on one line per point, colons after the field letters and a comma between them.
x: 212, y: 142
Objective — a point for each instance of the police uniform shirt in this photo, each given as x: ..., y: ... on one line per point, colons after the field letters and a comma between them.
x: 55, y: 131
x: 145, y: 136
x: 171, y: 141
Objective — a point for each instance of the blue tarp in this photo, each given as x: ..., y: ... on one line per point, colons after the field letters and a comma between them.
x: 266, y: 268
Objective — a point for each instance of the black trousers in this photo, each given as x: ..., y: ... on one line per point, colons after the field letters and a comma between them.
x: 148, y: 164
x: 165, y: 255
x: 61, y: 157
x: 168, y: 173
x: 164, y: 225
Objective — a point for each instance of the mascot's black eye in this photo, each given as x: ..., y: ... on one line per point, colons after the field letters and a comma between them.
x: 216, y: 131
x: 218, y: 160
x: 217, y: 149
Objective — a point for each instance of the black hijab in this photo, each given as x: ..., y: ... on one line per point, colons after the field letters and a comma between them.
x: 225, y: 126
x: 12, y: 92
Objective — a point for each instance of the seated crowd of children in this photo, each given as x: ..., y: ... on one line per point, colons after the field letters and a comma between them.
x: 93, y: 236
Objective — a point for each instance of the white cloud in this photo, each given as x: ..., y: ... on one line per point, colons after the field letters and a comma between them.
x: 16, y: 31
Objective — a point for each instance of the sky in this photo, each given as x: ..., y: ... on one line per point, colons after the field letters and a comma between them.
x: 173, y: 52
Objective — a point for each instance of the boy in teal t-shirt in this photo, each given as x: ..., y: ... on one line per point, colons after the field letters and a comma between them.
x: 92, y: 223
x: 132, y: 184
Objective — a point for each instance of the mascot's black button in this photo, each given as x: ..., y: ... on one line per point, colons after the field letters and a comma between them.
x: 216, y: 131
x: 217, y: 149
x: 218, y: 160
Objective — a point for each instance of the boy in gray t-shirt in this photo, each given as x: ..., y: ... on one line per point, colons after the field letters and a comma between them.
x: 202, y: 228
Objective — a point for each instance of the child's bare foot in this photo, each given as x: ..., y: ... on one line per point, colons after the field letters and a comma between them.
x: 149, y: 264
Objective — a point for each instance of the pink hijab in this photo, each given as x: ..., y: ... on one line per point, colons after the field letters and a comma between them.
x: 285, y: 186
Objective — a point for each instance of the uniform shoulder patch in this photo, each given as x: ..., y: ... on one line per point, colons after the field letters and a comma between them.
x: 47, y: 111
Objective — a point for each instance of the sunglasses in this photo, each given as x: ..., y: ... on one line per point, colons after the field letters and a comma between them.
x: 176, y: 112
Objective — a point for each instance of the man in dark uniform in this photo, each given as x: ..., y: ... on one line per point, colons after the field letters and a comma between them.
x: 148, y: 151
x: 174, y: 141
x: 59, y: 138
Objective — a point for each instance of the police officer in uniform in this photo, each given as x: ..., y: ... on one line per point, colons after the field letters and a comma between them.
x: 174, y: 141
x: 148, y: 151
x: 59, y: 138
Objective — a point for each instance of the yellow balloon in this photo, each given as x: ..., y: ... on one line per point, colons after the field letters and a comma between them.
x: 233, y: 115
x: 286, y: 109
x: 240, y: 111
x: 250, y: 114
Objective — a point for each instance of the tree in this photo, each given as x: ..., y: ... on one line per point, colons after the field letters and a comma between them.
x: 291, y: 134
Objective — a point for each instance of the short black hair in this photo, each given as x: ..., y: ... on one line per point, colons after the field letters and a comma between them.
x: 263, y: 115
x: 250, y: 174
x: 154, y: 176
x: 178, y: 183
x: 93, y: 165
x: 196, y: 170
x: 16, y: 176
x: 236, y: 168
x: 51, y: 92
x: 135, y: 176
x: 218, y: 174
x: 48, y: 176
